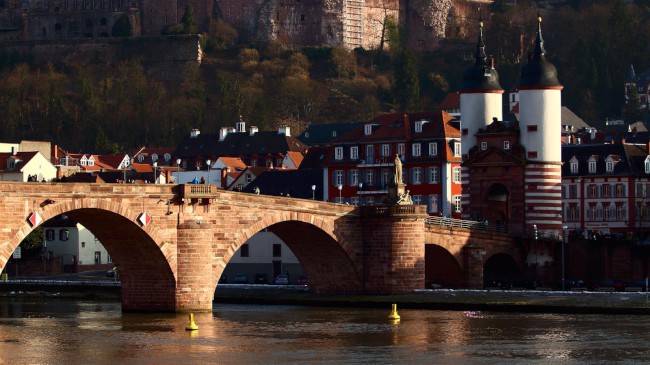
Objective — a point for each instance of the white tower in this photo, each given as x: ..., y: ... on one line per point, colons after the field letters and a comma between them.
x: 480, y: 102
x: 540, y: 127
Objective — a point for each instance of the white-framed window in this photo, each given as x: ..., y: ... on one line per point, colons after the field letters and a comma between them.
x: 64, y: 235
x: 592, y: 167
x: 354, y: 177
x: 433, y: 149
x: 434, y: 173
x: 417, y: 199
x: 401, y: 149
x: 370, y: 153
x: 573, y: 191
x: 370, y: 178
x: 456, y: 174
x: 338, y: 153
x: 354, y: 152
x: 456, y: 149
x: 609, y: 166
x: 91, y: 161
x: 386, y: 175
x: 140, y: 158
x: 418, y: 126
x: 84, y: 161
x: 607, y: 191
x: 367, y: 129
x: 167, y: 157
x: 621, y: 212
x: 416, y: 150
x: 434, y: 203
x: 338, y: 178
x: 483, y: 146
x: 574, y: 166
x: 646, y: 164
x: 620, y: 191
x: 506, y: 145
x: 416, y: 175
x: 456, y: 199
x: 385, y: 150
x: 354, y: 200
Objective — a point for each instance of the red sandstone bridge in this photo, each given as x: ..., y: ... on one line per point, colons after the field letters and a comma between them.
x: 172, y: 242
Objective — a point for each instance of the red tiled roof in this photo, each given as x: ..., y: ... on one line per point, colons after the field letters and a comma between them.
x: 142, y: 167
x: 451, y: 101
x: 296, y: 157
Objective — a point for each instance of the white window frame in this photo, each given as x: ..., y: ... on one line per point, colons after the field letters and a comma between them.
x: 416, y: 150
x: 457, y: 201
x: 506, y: 145
x: 354, y: 153
x: 592, y: 167
x: 401, y: 149
x: 367, y: 129
x: 338, y: 153
x: 434, y: 175
x: 418, y: 126
x: 338, y: 178
x: 457, y: 150
x: 385, y: 150
x: 354, y: 177
x: 609, y: 166
x: 483, y: 146
x: 416, y: 173
x: 433, y: 149
x: 456, y: 174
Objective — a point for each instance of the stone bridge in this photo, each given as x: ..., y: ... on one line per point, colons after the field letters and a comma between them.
x: 172, y: 242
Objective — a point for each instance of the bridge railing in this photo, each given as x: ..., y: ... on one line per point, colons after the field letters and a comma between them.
x: 466, y: 224
x: 198, y: 190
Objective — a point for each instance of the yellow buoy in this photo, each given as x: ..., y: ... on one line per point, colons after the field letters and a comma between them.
x: 393, y: 313
x: 191, y: 326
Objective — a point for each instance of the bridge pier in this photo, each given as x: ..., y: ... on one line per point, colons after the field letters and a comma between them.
x: 473, y: 256
x: 393, y: 248
x: 194, y: 289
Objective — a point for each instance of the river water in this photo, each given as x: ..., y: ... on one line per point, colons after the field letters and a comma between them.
x: 59, y: 331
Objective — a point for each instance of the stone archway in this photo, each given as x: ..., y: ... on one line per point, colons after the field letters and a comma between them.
x: 441, y: 268
x: 498, y: 201
x: 501, y: 268
x: 148, y: 281
x: 325, y: 260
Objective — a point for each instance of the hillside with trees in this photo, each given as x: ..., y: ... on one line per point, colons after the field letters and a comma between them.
x: 121, y: 106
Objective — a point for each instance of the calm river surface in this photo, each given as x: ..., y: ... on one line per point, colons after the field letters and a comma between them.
x: 58, y: 331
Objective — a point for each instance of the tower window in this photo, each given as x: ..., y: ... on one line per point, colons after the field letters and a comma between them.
x: 532, y: 128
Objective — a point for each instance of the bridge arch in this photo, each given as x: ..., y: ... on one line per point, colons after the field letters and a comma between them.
x: 316, y: 244
x: 442, y: 267
x: 501, y: 267
x: 140, y: 253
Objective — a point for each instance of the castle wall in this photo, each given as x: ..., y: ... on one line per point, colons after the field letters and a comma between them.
x: 164, y: 57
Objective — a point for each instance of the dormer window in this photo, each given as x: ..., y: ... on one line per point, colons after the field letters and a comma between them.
x: 574, y: 165
x: 91, y: 161
x: 154, y: 157
x: 418, y: 126
x: 609, y: 166
x: 506, y: 145
x: 483, y: 146
x: 646, y: 164
x: 592, y: 167
x: 83, y: 161
x: 11, y: 163
x: 592, y: 164
x: 333, y: 133
x: 306, y: 134
x: 457, y: 149
x: 338, y: 153
x: 367, y: 129
x: 610, y: 162
x: 140, y: 158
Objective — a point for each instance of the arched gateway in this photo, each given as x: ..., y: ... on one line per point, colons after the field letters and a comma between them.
x: 172, y: 242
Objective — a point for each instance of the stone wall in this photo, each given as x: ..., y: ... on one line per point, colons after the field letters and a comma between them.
x: 163, y: 57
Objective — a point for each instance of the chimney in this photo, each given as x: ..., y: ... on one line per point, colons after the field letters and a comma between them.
x: 223, y: 132
x: 252, y: 130
x: 194, y: 133
x: 285, y: 130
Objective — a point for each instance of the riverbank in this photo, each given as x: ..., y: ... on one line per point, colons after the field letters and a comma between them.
x: 452, y: 299
x: 436, y: 299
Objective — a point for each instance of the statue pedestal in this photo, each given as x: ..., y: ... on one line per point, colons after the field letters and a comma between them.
x: 397, y: 195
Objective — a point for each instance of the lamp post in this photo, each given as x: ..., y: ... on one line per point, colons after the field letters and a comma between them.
x: 564, y: 228
x: 155, y: 176
x: 313, y: 192
x: 208, y: 162
x: 340, y: 198
x: 178, y: 170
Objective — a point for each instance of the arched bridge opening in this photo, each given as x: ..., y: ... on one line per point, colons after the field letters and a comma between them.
x: 441, y: 268
x: 501, y: 270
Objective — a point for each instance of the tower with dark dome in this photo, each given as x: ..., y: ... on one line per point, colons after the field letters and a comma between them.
x: 480, y: 102
x: 540, y: 127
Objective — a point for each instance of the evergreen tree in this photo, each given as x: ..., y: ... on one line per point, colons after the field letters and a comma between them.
x: 406, y: 84
x: 632, y: 111
x: 188, y: 21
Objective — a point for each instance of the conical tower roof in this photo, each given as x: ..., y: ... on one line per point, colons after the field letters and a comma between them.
x: 538, y: 72
x: 481, y: 76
